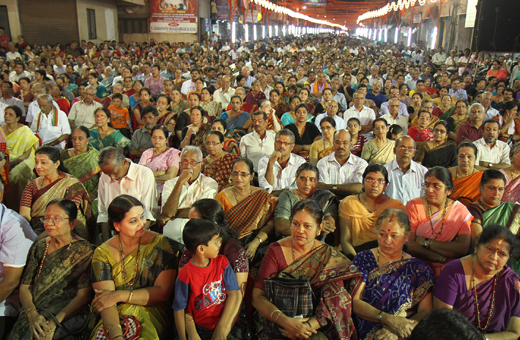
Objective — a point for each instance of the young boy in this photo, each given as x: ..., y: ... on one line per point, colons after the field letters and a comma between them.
x: 119, y: 116
x: 206, y: 290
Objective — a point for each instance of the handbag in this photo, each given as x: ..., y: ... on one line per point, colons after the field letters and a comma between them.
x: 293, y: 297
x: 130, y: 326
x: 62, y: 331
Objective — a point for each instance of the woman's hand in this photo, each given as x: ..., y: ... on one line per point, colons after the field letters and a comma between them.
x: 296, y: 328
x: 251, y: 248
x: 106, y: 298
x: 37, y: 325
x: 49, y: 334
x: 401, y: 326
x: 385, y: 334
x: 328, y: 226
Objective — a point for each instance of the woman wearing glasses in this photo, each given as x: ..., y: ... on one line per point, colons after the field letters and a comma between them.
x: 440, y: 227
x: 249, y: 209
x: 358, y: 213
x: 440, y: 151
x: 218, y: 163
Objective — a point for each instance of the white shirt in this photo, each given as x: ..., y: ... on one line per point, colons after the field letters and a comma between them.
x: 366, y: 115
x: 283, y: 178
x: 13, y: 101
x: 49, y: 132
x: 403, y: 110
x: 202, y: 187
x: 498, y: 154
x: 83, y: 114
x: 60, y: 70
x: 2, y: 113
x: 187, y: 87
x: 331, y: 172
x: 405, y: 186
x: 254, y: 147
x: 34, y: 108
x: 14, y: 77
x: 12, y: 55
x: 340, y: 122
x: 401, y: 120
x: 222, y: 97
x: 139, y: 182
x: 490, y: 113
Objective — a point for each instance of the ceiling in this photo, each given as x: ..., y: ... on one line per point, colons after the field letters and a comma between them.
x: 343, y: 12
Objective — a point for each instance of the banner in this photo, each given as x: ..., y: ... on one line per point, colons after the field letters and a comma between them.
x: 173, y: 16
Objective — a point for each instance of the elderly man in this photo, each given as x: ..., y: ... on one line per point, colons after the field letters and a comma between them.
x: 82, y: 112
x: 59, y: 68
x: 439, y: 58
x: 182, y: 191
x: 118, y: 88
x: 374, y: 75
x: 403, y: 109
x: 456, y: 91
x: 412, y: 83
x: 277, y: 171
x: 16, y: 238
x: 142, y: 138
x: 492, y: 153
x: 155, y: 82
x: 319, y: 85
x: 472, y: 130
x: 406, y: 177
x: 224, y: 93
x: 265, y: 105
x: 365, y: 114
x: 258, y: 143
x: 247, y: 74
x: 121, y: 176
x: 394, y: 116
x: 127, y: 72
x: 33, y: 108
x: 341, y: 172
x: 266, y: 88
x: 50, y: 124
x: 486, y: 100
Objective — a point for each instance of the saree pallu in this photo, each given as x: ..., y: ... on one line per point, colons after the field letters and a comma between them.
x: 63, y: 274
x: 336, y: 280
x: 220, y: 170
x: 158, y: 253
x: 213, y: 108
x: 393, y: 288
x: 466, y: 189
x: 447, y: 114
x: 180, y: 107
x: 200, y: 137
x: 235, y: 123
x: 512, y: 189
x: 168, y: 116
x: 69, y: 187
x: 84, y: 167
x: 443, y: 155
x: 115, y: 139
x: 374, y: 155
x: 231, y: 146
x: 453, y: 125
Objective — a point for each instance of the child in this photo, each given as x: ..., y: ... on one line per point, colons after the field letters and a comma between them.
x: 357, y: 140
x: 206, y: 289
x: 119, y: 116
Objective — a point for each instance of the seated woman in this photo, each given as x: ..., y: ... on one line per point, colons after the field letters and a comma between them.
x: 358, y: 213
x: 163, y: 160
x: 195, y: 133
x: 323, y: 106
x: 357, y: 139
x: 21, y: 143
x: 380, y: 149
x: 166, y: 117
x: 441, y: 227
x: 57, y: 96
x: 482, y: 287
x: 310, y: 101
x: 329, y: 272
x: 445, y: 109
x: 466, y: 177
x: 325, y: 146
x: 414, y: 107
x: 276, y: 104
x: 54, y: 182
x: 382, y: 305
x: 249, y: 209
x: 230, y: 145
x: 509, y: 123
x: 237, y: 120
x: 403, y: 95
x: 145, y: 97
x: 421, y: 132
x: 290, y: 116
x: 133, y: 100
x: 103, y: 135
x: 256, y: 94
x: 82, y: 161
x: 218, y: 163
x: 213, y: 108
x: 394, y: 132
x: 307, y: 179
x: 55, y: 287
x: 178, y: 105
x: 440, y: 151
x: 304, y: 131
x: 512, y: 174
x: 134, y: 274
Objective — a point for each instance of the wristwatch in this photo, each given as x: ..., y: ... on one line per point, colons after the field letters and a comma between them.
x: 259, y: 239
x: 334, y: 187
x: 425, y: 243
x: 380, y: 316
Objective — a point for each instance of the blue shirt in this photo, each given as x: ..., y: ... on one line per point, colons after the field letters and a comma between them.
x: 379, y: 99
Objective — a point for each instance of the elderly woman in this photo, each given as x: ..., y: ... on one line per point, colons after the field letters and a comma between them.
x: 403, y: 95
x: 54, y: 182
x: 104, y: 135
x: 466, y: 177
x: 195, y: 133
x: 213, y: 108
x: 482, y: 287
x: 440, y: 227
x: 163, y: 160
x: 512, y: 175
x: 329, y: 272
x: 380, y: 149
x: 21, y: 143
x: 165, y: 117
x: 459, y: 117
x: 421, y: 132
x: 134, y: 274
x: 307, y: 179
x: 440, y: 151
x: 305, y: 132
x: 324, y: 146
x: 218, y: 163
x: 55, y: 287
x: 230, y: 145
x: 358, y: 213
x: 256, y: 94
x: 82, y: 161
x: 382, y: 304
x: 509, y: 123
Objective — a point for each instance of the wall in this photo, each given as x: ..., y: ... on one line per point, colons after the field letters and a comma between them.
x: 101, y: 19
x: 14, y: 17
x: 142, y: 37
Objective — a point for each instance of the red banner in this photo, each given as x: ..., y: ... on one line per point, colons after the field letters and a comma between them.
x: 173, y: 16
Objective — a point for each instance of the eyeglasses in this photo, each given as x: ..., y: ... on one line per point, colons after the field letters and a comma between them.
x: 186, y: 163
x: 283, y: 143
x: 259, y: 121
x: 53, y: 220
x: 377, y: 181
x: 439, y: 131
x: 212, y: 143
x: 394, y: 105
x: 327, y: 127
x: 337, y: 142
x: 404, y: 148
x: 240, y: 174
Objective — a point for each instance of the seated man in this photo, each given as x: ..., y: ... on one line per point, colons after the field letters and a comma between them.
x: 492, y: 153
x: 472, y: 130
x: 142, y: 138
x: 403, y: 109
x: 82, y: 112
x: 393, y: 116
x: 16, y: 238
x: 50, y: 124
x: 277, y: 171
x: 181, y: 192
x: 121, y: 176
x: 260, y: 142
x: 118, y: 88
x: 365, y: 114
x: 341, y: 172
x: 406, y: 177
x: 375, y: 94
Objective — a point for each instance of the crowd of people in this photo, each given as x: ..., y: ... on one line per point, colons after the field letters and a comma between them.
x: 155, y: 190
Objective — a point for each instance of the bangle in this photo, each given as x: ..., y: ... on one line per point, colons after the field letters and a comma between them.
x: 276, y: 310
x: 112, y: 325
x: 276, y: 319
x: 130, y: 296
x: 430, y: 244
x: 29, y: 309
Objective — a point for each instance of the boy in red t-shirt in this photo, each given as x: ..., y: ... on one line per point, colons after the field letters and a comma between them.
x: 206, y: 288
x: 119, y: 116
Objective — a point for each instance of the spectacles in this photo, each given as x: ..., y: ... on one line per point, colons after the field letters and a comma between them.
x: 404, y: 148
x: 186, y: 163
x: 377, y: 181
x: 240, y: 174
x: 394, y: 105
x: 327, y: 128
x: 53, y: 220
x: 439, y: 131
x: 259, y: 121
x: 283, y: 143
x: 212, y: 143
x: 337, y: 142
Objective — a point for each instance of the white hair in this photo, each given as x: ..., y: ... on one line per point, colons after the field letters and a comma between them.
x: 192, y: 148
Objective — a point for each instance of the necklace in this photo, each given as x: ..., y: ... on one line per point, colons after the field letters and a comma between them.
x: 294, y: 250
x: 47, y: 250
x: 435, y: 234
x: 477, y: 306
x: 457, y: 173
x: 132, y: 282
x: 235, y: 192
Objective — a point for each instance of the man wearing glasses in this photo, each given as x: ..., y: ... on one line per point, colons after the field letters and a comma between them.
x: 260, y: 142
x: 50, y: 124
x: 181, y: 192
x: 277, y: 171
x: 82, y: 112
x: 393, y: 116
x: 406, y: 177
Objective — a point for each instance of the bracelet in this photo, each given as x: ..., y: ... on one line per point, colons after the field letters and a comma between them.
x: 276, y: 310
x: 276, y: 319
x: 112, y: 325
x: 29, y: 309
x: 130, y: 296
